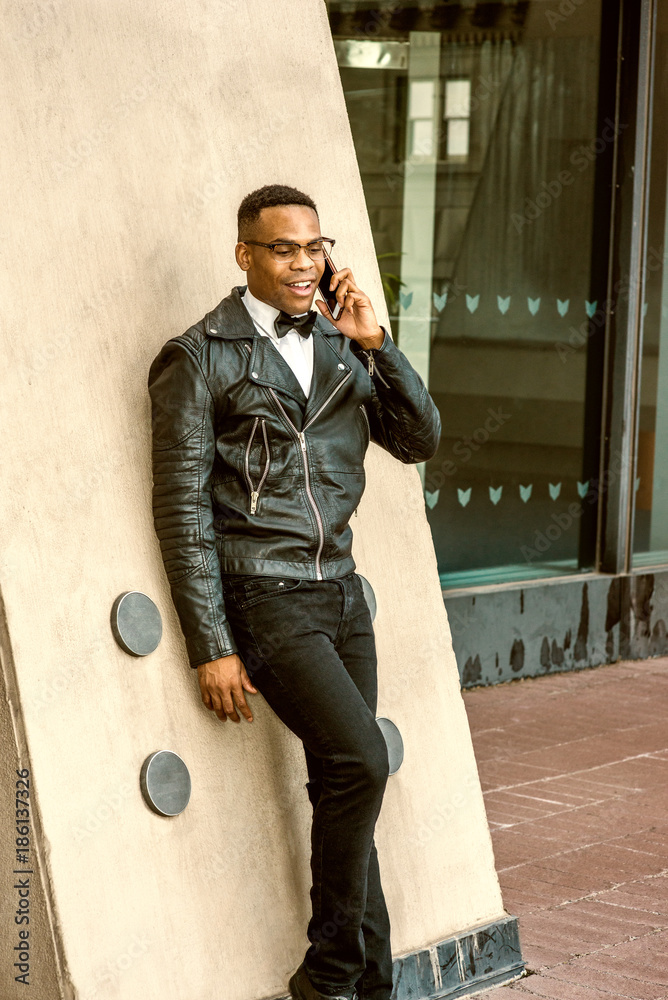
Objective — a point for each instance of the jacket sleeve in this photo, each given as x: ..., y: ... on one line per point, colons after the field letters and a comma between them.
x: 403, y: 417
x: 183, y: 454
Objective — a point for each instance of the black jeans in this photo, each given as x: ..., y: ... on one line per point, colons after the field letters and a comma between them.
x: 309, y: 648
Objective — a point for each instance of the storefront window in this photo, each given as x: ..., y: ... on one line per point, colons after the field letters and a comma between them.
x: 480, y: 134
x: 651, y: 482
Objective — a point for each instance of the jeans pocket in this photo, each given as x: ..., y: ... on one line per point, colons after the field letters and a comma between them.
x: 263, y: 588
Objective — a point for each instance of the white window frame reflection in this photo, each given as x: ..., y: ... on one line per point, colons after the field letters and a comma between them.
x: 457, y: 115
x: 421, y: 95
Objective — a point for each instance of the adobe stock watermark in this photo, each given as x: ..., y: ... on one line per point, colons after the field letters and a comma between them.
x: 109, y: 975
x: 564, y: 520
x: 59, y: 682
x: 654, y: 261
x: 550, y: 191
x: 446, y: 809
x: 36, y: 18
x: 79, y: 151
x: 108, y: 807
x: 64, y: 341
x: 452, y: 290
x: 341, y: 917
x: 216, y: 183
x: 286, y: 800
x: 557, y: 15
x: 400, y: 684
x: 379, y: 21
x: 103, y: 472
x: 464, y: 448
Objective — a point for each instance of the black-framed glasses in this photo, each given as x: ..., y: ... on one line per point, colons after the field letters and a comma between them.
x: 316, y: 249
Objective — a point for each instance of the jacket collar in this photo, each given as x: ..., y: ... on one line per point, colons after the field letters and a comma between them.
x: 230, y: 319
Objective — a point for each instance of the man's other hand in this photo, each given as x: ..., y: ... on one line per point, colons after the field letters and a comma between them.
x: 223, y: 680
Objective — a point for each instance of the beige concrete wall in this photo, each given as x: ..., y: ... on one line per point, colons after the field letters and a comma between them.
x: 130, y: 132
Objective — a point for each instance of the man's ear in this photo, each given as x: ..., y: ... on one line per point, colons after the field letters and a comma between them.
x: 242, y: 254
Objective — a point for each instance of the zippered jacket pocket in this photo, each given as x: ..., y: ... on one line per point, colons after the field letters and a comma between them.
x: 366, y: 426
x: 253, y: 490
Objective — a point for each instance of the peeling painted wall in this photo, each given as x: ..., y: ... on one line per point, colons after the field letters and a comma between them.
x: 571, y: 623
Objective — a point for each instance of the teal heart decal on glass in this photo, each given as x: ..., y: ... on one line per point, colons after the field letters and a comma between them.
x: 591, y: 307
x: 503, y: 304
x: 464, y: 496
x: 563, y: 306
x: 405, y: 298
x: 555, y: 490
x: 440, y: 300
x: 582, y: 488
x: 534, y: 305
x: 472, y: 302
x: 495, y: 494
x: 431, y: 498
x: 525, y: 492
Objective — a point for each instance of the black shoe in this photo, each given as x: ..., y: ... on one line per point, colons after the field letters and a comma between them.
x: 301, y: 988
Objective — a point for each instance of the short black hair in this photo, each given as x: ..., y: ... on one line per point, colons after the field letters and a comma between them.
x: 269, y: 196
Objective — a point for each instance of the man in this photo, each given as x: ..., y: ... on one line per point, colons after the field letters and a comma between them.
x: 262, y: 414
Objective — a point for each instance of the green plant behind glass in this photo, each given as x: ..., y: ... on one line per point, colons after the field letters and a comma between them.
x: 391, y: 284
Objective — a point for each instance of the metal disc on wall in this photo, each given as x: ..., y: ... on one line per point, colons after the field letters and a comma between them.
x: 136, y: 623
x: 165, y: 783
x: 369, y: 595
x: 395, y: 744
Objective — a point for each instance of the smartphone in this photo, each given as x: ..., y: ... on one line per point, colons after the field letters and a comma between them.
x: 323, y: 287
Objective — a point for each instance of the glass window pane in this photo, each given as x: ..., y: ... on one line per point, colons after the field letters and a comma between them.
x: 490, y: 251
x: 421, y: 99
x: 650, y: 542
x: 458, y: 137
x: 423, y: 138
x: 457, y: 98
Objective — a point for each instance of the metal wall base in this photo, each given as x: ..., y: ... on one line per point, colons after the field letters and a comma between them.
x: 525, y: 630
x: 462, y: 965
x: 468, y: 963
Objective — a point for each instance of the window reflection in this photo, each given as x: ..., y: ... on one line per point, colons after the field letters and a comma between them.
x: 651, y: 482
x: 478, y: 131
x: 457, y: 113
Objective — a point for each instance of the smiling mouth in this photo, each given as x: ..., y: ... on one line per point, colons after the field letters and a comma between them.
x: 300, y: 284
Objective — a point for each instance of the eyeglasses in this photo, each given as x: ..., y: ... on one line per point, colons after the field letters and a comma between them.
x: 316, y: 249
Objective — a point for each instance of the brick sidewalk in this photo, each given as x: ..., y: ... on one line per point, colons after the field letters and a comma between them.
x: 575, y: 773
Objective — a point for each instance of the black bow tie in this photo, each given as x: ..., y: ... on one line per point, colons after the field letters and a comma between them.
x: 302, y: 324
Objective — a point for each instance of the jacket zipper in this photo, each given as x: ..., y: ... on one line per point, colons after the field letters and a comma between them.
x: 307, y: 478
x: 366, y: 417
x: 255, y: 493
x: 371, y: 368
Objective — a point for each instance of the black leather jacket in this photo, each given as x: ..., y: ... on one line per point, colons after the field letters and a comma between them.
x: 251, y: 477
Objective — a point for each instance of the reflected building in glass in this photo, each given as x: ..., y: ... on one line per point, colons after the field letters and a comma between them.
x: 514, y: 168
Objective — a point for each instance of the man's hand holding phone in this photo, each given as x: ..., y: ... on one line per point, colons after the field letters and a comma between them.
x: 356, y: 318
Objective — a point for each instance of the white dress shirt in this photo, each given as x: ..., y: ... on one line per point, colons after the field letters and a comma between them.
x: 297, y: 350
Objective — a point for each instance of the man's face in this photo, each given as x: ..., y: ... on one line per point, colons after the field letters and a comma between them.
x: 288, y: 285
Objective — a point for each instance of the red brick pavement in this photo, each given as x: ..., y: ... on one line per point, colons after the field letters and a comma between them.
x: 574, y: 768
